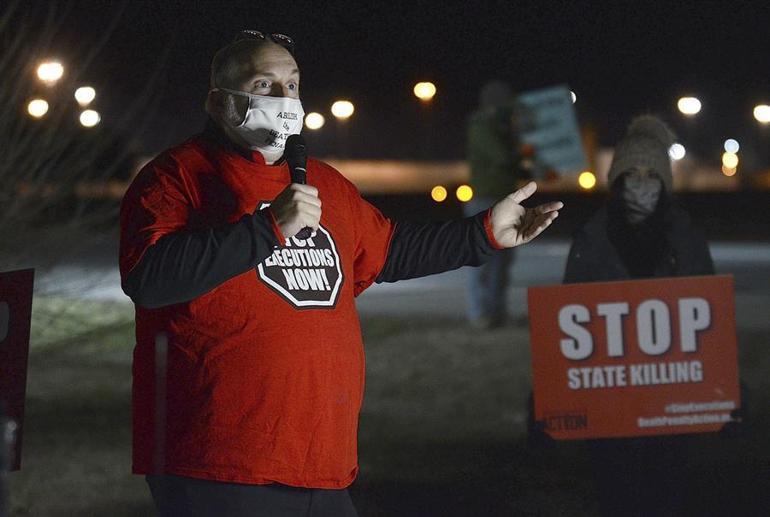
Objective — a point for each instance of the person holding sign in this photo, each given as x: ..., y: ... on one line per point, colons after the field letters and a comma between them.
x: 495, y: 166
x: 640, y: 233
x: 249, y: 363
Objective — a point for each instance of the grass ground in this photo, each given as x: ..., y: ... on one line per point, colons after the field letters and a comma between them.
x: 442, y: 428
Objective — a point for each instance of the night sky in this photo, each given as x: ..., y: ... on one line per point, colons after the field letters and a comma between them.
x: 619, y: 57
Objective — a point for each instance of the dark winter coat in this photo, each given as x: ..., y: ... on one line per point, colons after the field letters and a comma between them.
x: 606, y: 249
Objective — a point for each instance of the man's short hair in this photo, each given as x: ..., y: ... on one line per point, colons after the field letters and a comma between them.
x: 232, y: 63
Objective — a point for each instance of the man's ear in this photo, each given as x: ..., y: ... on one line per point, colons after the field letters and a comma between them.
x: 213, y: 105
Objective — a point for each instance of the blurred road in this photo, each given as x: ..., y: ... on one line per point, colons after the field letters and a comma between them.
x: 92, y: 273
x: 542, y: 263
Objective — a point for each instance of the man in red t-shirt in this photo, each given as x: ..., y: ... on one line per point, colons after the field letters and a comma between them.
x: 249, y: 364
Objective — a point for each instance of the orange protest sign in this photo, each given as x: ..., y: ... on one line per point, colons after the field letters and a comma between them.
x: 634, y: 358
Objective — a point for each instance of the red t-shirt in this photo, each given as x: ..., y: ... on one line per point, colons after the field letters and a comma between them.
x: 264, y: 373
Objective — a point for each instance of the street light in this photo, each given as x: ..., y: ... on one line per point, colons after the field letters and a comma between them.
x: 729, y: 172
x: 425, y: 91
x: 732, y: 145
x: 50, y: 71
x: 85, y: 95
x: 438, y: 194
x: 689, y: 105
x: 314, y: 120
x: 730, y: 160
x: 464, y: 193
x: 343, y: 109
x: 37, y: 108
x: 573, y: 96
x: 676, y: 152
x: 89, y: 118
x: 762, y: 113
x: 587, y: 180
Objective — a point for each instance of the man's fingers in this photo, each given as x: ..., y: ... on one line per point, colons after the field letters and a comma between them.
x: 540, y: 223
x: 303, y: 197
x: 307, y: 189
x: 549, y: 207
x: 524, y: 192
x: 311, y: 209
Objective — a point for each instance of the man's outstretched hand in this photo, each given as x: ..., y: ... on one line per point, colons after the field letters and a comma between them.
x: 512, y: 224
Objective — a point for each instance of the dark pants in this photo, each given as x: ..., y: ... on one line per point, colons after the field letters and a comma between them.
x: 488, y: 283
x: 177, y: 496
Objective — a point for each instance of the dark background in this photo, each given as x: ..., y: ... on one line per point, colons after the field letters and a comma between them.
x: 621, y: 58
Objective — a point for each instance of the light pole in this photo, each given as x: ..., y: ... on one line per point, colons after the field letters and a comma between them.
x: 342, y: 111
x: 689, y: 107
x: 425, y: 91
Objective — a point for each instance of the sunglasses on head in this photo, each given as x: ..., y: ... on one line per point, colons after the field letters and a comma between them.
x: 281, y: 39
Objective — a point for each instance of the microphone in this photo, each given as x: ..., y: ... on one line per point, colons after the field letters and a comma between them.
x: 296, y: 156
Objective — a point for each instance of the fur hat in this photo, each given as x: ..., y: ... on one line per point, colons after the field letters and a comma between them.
x: 646, y: 143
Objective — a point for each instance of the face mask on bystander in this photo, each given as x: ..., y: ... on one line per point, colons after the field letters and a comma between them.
x: 640, y: 195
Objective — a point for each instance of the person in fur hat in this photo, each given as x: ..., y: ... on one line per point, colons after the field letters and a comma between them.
x: 640, y: 233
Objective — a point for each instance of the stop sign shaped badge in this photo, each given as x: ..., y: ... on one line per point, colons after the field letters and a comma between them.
x: 305, y: 272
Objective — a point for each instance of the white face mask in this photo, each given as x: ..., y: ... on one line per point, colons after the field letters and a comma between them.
x: 268, y: 122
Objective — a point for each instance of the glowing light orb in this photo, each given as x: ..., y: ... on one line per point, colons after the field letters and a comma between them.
x: 90, y: 118
x: 85, y: 95
x: 762, y: 113
x: 438, y: 193
x: 689, y: 105
x: 587, y: 180
x: 677, y: 152
x: 464, y: 193
x: 343, y: 109
x: 424, y: 91
x: 732, y: 145
x: 50, y: 71
x: 37, y: 108
x: 314, y: 120
x: 730, y: 160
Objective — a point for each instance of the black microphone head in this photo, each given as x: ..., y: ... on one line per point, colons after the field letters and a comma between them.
x: 295, y: 151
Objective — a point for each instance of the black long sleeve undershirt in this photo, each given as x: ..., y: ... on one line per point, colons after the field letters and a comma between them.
x: 184, y: 265
x: 422, y: 249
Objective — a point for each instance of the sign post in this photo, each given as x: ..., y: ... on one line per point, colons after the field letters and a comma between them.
x: 634, y: 358
x: 15, y: 316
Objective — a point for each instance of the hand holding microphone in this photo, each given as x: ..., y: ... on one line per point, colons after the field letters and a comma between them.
x: 297, y: 209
